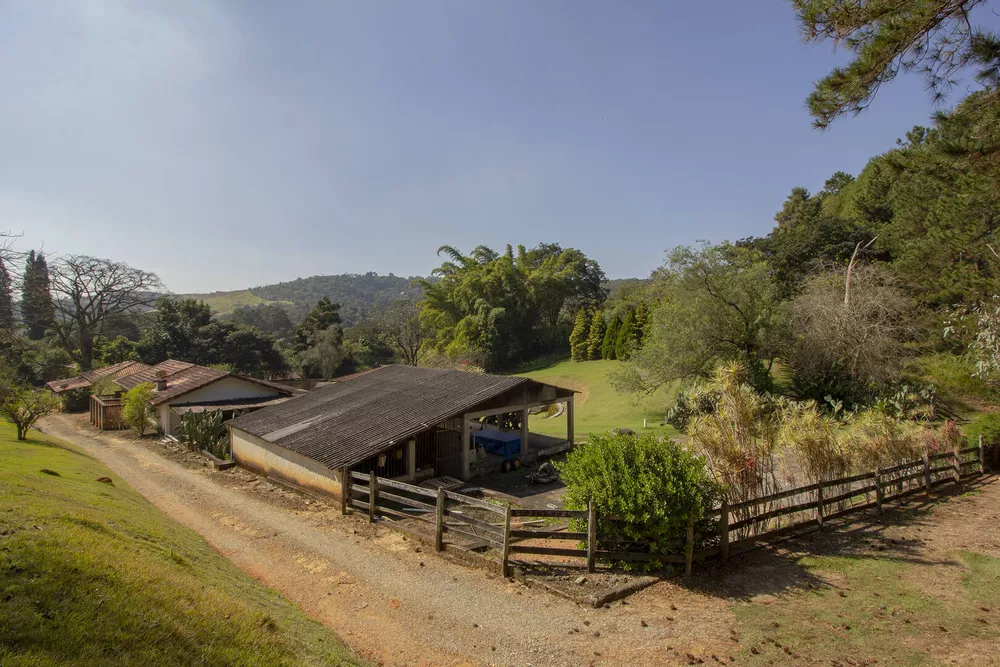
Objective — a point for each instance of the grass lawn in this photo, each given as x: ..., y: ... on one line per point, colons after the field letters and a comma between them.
x: 599, y: 407
x: 91, y: 573
x: 904, y: 613
x: 223, y: 303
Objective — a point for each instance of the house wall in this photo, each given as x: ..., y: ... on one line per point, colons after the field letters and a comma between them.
x: 164, y: 420
x: 226, y: 389
x: 284, y: 465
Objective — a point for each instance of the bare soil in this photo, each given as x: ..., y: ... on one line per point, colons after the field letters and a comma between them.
x: 396, y: 604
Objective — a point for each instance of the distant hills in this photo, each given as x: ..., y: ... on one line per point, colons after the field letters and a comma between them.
x: 360, y: 296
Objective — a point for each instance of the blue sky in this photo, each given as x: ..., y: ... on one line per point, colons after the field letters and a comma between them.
x: 227, y: 145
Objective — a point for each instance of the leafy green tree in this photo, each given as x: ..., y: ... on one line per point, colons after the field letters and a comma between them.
x: 934, y: 37
x: 626, y: 337
x: 800, y: 208
x: 719, y: 303
x: 578, y: 339
x: 655, y: 485
x: 595, y: 337
x: 269, y: 318
x: 324, y: 356
x: 609, y: 346
x: 119, y: 350
x: 37, y: 310
x: 174, y: 330
x: 23, y: 407
x: 324, y: 314
x: 136, y: 408
x: 401, y: 329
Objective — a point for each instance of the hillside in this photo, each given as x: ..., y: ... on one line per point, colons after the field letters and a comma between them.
x: 93, y: 574
x: 223, y: 303
x: 598, y: 407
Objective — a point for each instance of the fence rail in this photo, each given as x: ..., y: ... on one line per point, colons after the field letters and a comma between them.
x: 736, y: 527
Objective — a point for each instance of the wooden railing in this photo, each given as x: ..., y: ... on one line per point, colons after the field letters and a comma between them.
x: 737, y: 527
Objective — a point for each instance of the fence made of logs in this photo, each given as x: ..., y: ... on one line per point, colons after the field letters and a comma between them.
x: 736, y: 527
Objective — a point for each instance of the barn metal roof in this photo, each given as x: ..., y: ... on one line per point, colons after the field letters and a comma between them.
x: 352, y: 420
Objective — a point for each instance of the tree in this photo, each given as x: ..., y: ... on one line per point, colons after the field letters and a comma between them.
x: 641, y: 318
x: 136, y: 408
x: 595, y: 338
x: 610, y: 342
x: 718, y: 303
x: 324, y: 356
x: 323, y: 315
x: 6, y: 298
x: 799, y: 209
x: 37, y: 310
x: 23, y: 407
x: 119, y: 350
x: 174, y: 330
x: 400, y: 326
x: 626, y: 337
x: 934, y: 37
x: 269, y: 318
x: 90, y: 292
x: 578, y: 339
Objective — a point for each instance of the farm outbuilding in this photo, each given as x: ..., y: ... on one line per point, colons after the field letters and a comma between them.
x: 88, y: 379
x: 181, y: 387
x: 400, y: 422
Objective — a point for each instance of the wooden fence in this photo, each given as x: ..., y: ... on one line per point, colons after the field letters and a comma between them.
x: 737, y: 527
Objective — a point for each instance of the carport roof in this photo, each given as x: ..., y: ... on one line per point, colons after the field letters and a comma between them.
x: 347, y: 422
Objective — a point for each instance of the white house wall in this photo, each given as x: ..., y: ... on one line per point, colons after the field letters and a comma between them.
x: 284, y: 465
x: 226, y: 389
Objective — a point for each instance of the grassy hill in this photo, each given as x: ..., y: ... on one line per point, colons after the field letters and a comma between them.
x: 599, y: 407
x: 223, y: 303
x: 91, y: 573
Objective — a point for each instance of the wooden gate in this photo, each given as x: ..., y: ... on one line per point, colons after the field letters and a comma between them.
x: 449, y: 454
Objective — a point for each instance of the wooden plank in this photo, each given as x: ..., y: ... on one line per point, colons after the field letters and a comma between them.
x: 472, y: 521
x: 746, y: 541
x: 774, y: 496
x: 439, y: 521
x: 381, y: 509
x: 358, y: 504
x: 850, y: 494
x: 345, y: 490
x: 879, y: 493
x: 403, y: 500
x: 363, y: 476
x: 372, y: 496
x: 474, y: 536
x: 927, y: 473
x: 775, y: 513
x: 851, y: 480
x: 474, y: 502
x: 547, y: 551
x: 591, y: 535
x: 548, y: 535
x: 707, y: 553
x: 724, y: 530
x: 403, y: 486
x: 504, y: 567
x: 820, y: 504
x: 572, y: 514
x: 944, y: 468
x: 982, y: 456
x: 637, y: 556
x: 969, y: 450
x: 901, y: 467
x: 689, y: 549
x: 938, y: 457
x: 357, y: 488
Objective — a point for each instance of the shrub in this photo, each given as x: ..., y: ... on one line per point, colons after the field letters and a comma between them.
x: 136, y: 410
x: 813, y: 438
x: 986, y: 425
x: 657, y: 486
x: 22, y: 407
x: 206, y: 430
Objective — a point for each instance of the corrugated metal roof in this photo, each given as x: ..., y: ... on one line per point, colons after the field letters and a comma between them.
x: 349, y: 421
x: 88, y: 378
x: 232, y: 404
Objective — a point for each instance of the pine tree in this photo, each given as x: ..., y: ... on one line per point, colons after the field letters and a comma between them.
x: 611, y: 338
x: 626, y: 335
x: 37, y: 309
x: 596, y: 336
x: 578, y: 339
x: 6, y: 298
x: 641, y: 318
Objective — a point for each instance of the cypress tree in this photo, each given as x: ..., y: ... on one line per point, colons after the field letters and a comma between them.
x: 641, y: 318
x: 611, y: 338
x: 596, y: 336
x: 578, y: 339
x: 6, y: 298
x: 37, y: 309
x: 626, y: 335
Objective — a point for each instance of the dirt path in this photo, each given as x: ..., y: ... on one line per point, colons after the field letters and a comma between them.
x: 396, y: 604
x: 390, y: 601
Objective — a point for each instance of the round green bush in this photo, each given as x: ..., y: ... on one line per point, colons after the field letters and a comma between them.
x: 986, y: 425
x: 654, y: 486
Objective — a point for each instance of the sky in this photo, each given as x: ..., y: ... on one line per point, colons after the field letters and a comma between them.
x: 225, y: 145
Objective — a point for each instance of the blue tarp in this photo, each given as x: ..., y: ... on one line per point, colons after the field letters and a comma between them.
x: 507, y: 445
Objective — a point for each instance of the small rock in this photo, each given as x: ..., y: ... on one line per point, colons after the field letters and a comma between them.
x: 475, y: 625
x: 842, y: 594
x: 421, y: 563
x: 580, y: 581
x: 105, y: 480
x: 50, y: 472
x: 586, y: 622
x: 644, y: 624
x: 597, y: 633
x: 394, y: 603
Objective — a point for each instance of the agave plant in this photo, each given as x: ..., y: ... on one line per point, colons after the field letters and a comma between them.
x: 206, y: 430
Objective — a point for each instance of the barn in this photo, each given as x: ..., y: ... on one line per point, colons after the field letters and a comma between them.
x: 401, y: 422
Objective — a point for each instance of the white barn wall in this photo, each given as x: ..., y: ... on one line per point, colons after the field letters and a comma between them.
x: 284, y: 465
x: 226, y: 389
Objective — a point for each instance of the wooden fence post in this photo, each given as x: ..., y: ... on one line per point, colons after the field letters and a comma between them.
x: 956, y: 462
x: 879, y: 491
x: 345, y: 490
x: 819, y: 505
x: 439, y: 521
x: 591, y: 535
x: 982, y: 457
x: 372, y: 495
x: 927, y: 472
x: 506, y: 542
x: 724, y: 529
x: 689, y: 549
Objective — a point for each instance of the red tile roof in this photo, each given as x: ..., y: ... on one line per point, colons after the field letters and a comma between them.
x: 182, y: 378
x: 90, y: 377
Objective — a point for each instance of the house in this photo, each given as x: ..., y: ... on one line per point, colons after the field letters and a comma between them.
x: 401, y: 422
x: 181, y: 387
x: 90, y: 378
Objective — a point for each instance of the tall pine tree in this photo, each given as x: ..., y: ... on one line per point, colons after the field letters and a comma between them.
x: 6, y: 298
x: 578, y: 339
x: 37, y: 309
x: 626, y: 337
x: 596, y: 336
x: 611, y: 338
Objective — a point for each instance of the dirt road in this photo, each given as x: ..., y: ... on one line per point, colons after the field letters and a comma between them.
x: 388, y: 599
